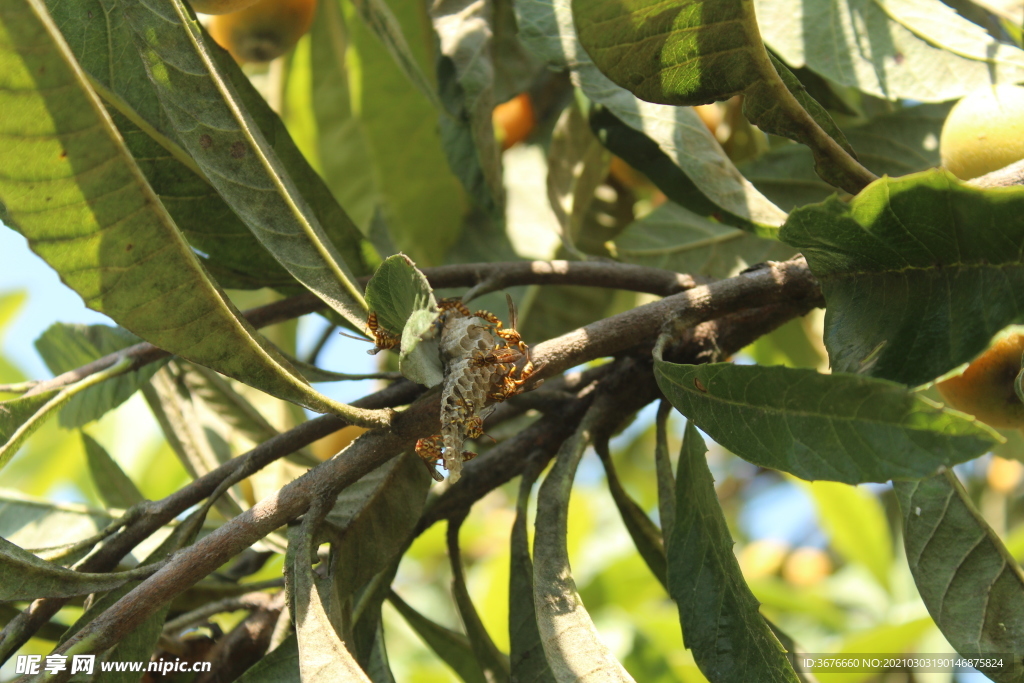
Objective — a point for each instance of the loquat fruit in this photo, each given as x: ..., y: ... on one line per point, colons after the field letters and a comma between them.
x: 514, y: 120
x: 984, y: 132
x: 985, y: 389
x: 263, y: 31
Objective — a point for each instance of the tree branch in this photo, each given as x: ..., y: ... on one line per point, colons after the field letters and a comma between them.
x: 774, y: 283
x: 20, y: 629
x: 767, y: 284
x: 1007, y: 176
x: 502, y: 274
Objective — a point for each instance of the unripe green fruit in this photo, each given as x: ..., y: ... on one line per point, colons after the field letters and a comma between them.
x: 220, y: 6
x: 984, y: 132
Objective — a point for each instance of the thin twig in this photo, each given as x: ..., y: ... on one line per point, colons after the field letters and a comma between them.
x: 325, y: 337
x: 249, y: 601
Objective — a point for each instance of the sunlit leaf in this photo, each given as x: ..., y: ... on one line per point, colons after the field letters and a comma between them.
x: 466, y: 80
x: 918, y: 273
x: 577, y: 165
x: 675, y: 238
x: 65, y: 347
x: 572, y: 645
x: 920, y: 49
x: 699, y: 51
x: 423, y: 203
x: 22, y: 416
x: 406, y: 308
x: 73, y: 190
x: 229, y: 249
x: 233, y: 153
x: 838, y: 427
x: 322, y: 654
x: 35, y: 523
x: 546, y: 28
x: 345, y: 157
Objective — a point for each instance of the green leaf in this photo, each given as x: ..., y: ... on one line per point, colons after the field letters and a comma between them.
x: 380, y: 19
x: 674, y: 238
x: 577, y: 165
x: 453, y: 648
x: 526, y: 657
x: 21, y: 417
x: 572, y: 645
x: 200, y: 449
x: 793, y: 344
x: 466, y: 79
x: 87, y: 210
x: 970, y: 584
x: 234, y: 155
x: 232, y: 253
x: 645, y: 534
x: 65, y: 347
x: 113, y: 485
x: 374, y: 519
x: 379, y: 668
x: 226, y: 246
x: 396, y: 290
x: 346, y: 161
x: 23, y: 576
x: 546, y: 28
x: 280, y: 665
x: 663, y: 468
x: 918, y: 273
x: 11, y: 304
x: 405, y: 306
x: 894, y: 144
x: 837, y: 427
x: 493, y: 662
x: 855, y: 523
x: 646, y: 155
x: 322, y: 654
x: 423, y: 204
x: 721, y: 623
x: 920, y: 49
x: 34, y: 523
x: 699, y: 51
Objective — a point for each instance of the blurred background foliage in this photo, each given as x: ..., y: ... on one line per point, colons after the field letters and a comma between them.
x: 824, y: 559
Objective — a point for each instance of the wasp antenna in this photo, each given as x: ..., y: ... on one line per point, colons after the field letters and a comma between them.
x: 352, y: 336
